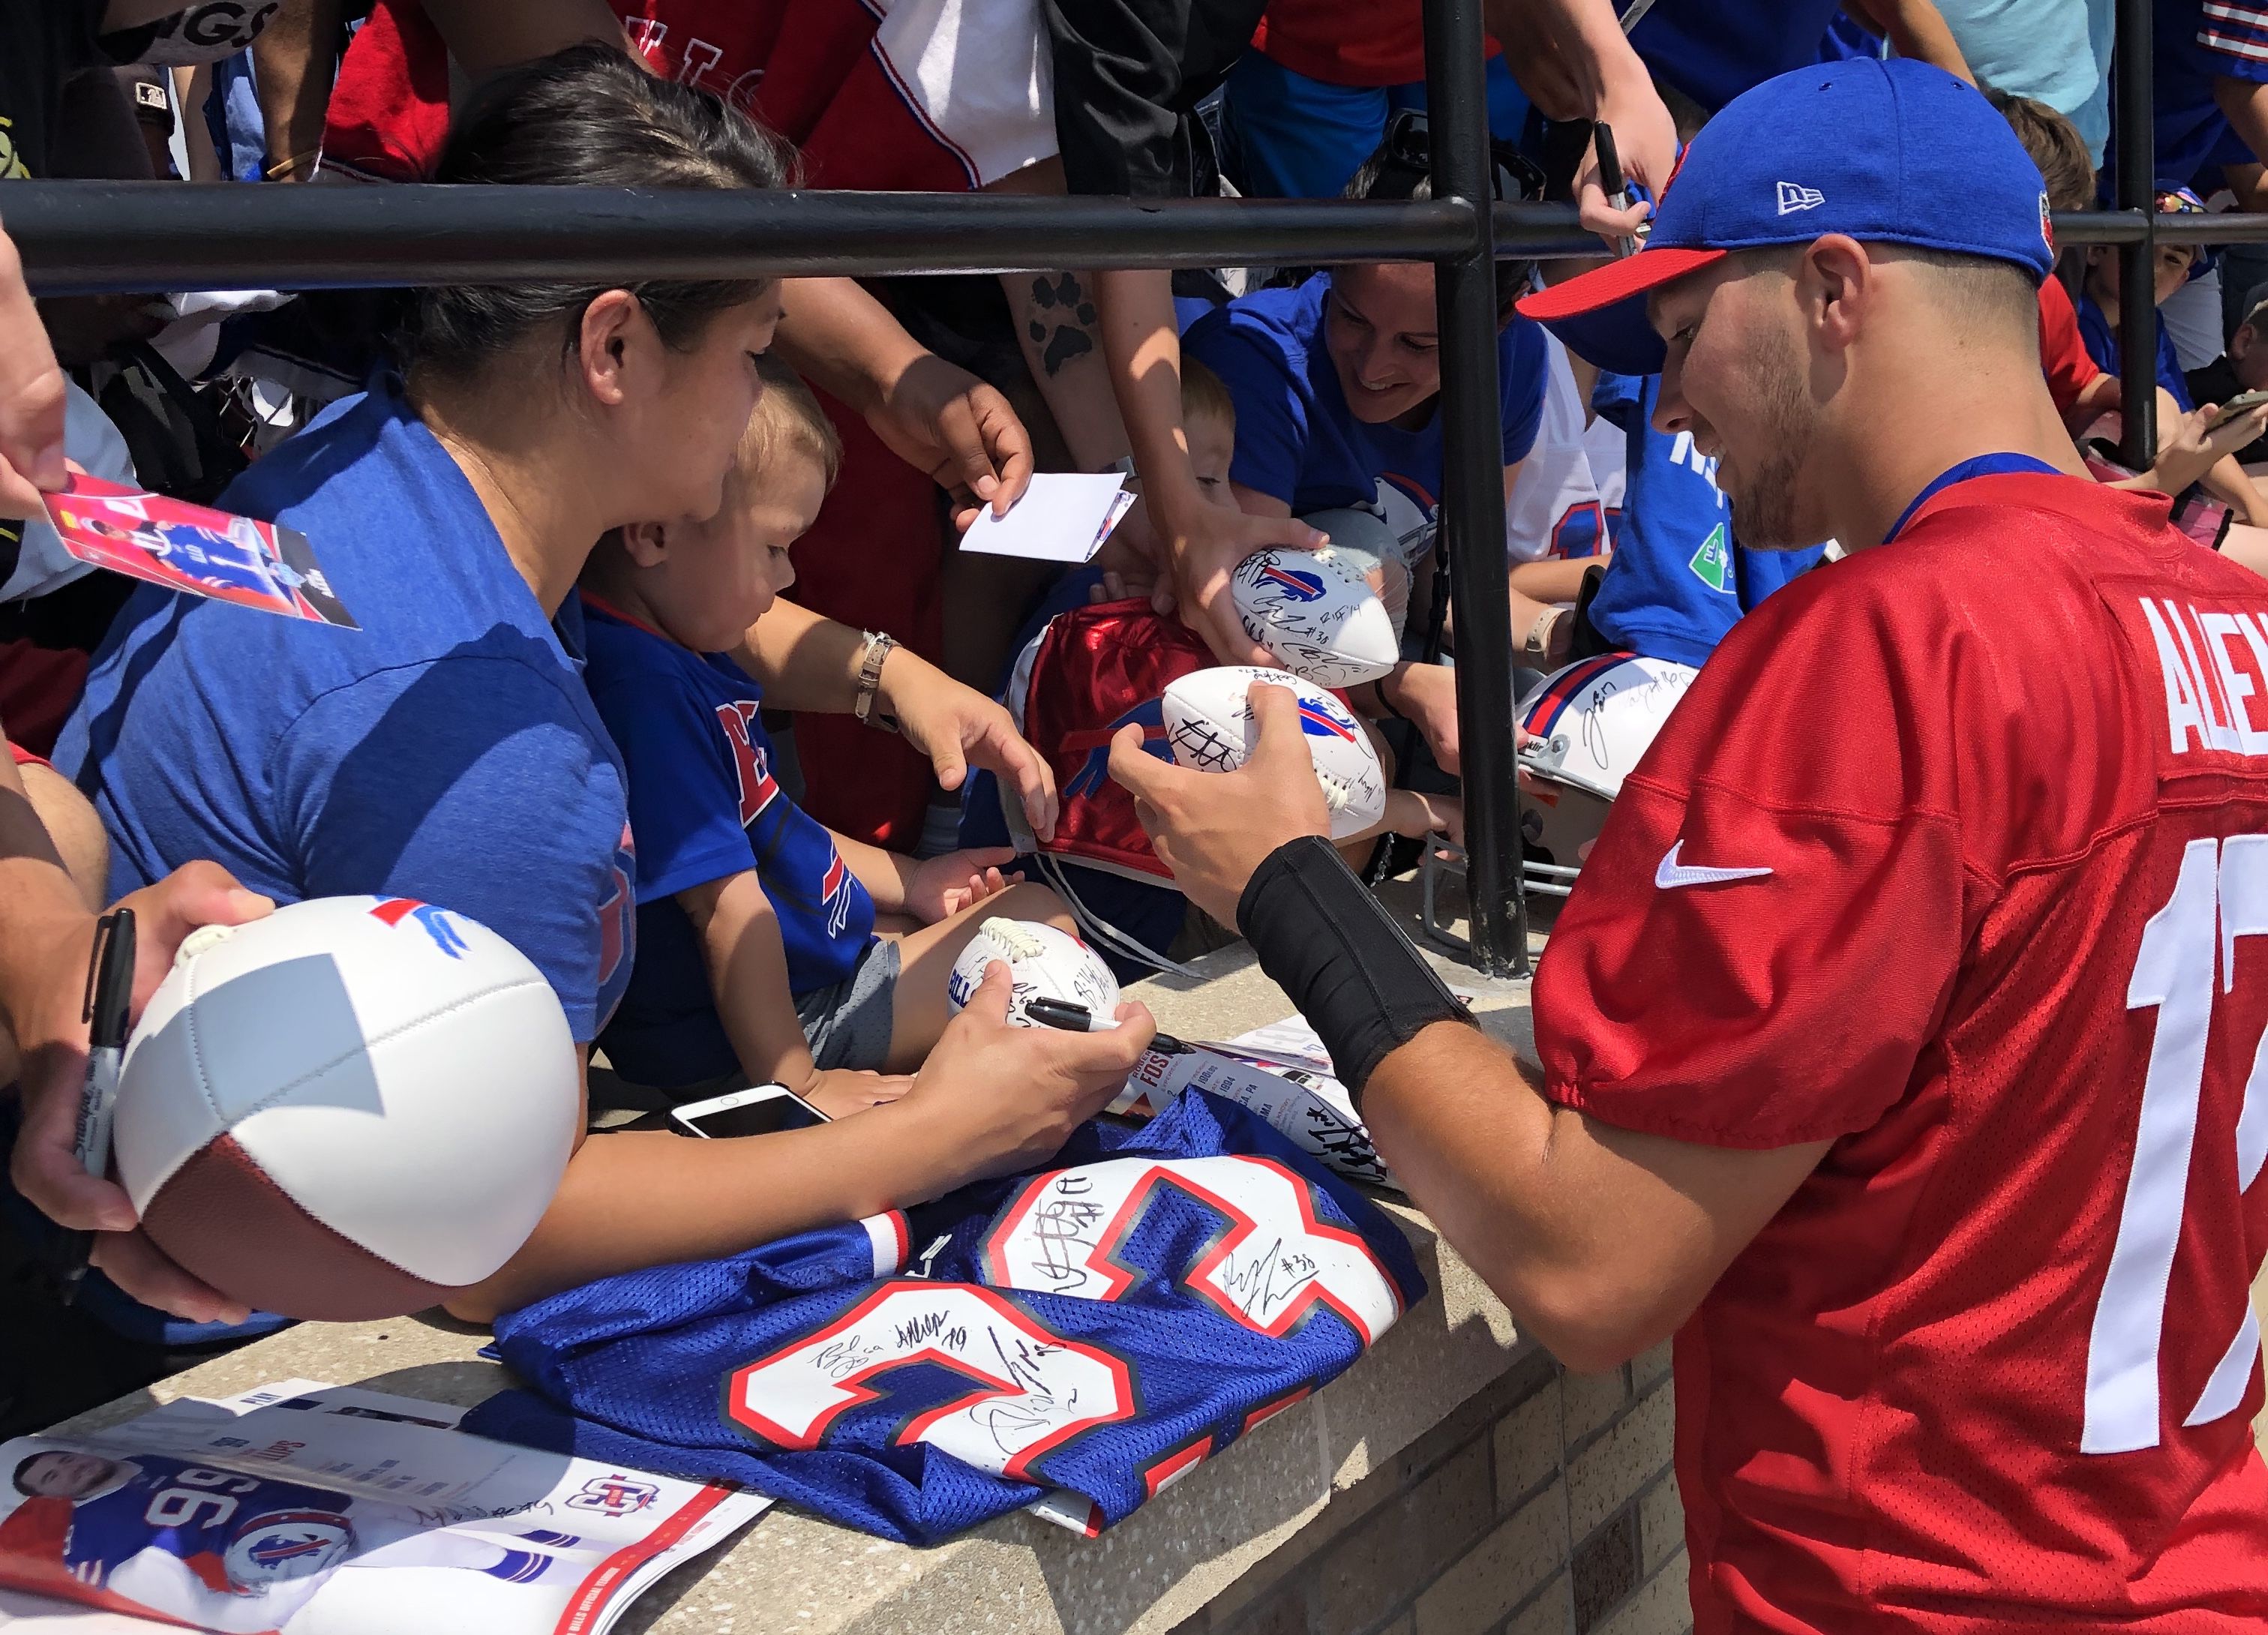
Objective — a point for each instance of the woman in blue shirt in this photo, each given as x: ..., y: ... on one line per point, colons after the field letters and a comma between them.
x: 448, y: 750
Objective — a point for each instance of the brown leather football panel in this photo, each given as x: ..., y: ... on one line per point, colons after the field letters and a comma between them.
x: 224, y: 1219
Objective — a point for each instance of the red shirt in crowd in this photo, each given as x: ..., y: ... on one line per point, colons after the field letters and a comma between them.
x: 2063, y: 355
x: 1379, y: 42
x: 2003, y: 787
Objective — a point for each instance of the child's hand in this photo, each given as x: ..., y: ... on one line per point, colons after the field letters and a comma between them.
x: 839, y: 1091
x: 940, y: 887
x: 1419, y: 816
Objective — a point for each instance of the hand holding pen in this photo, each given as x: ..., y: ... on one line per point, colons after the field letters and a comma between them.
x: 109, y: 995
x: 1611, y: 179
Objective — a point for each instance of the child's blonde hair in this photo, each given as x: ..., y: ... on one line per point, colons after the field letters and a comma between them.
x: 1205, y: 397
x: 787, y: 418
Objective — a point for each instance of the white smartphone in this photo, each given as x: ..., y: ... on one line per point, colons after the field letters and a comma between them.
x: 759, y: 1110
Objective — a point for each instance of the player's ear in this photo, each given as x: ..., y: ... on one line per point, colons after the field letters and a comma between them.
x: 1835, y: 281
x: 646, y: 543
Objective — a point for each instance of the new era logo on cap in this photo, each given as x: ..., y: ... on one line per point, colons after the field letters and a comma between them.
x: 1793, y: 198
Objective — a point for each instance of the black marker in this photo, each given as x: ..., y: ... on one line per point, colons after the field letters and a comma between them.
x: 109, y: 992
x: 1077, y: 1019
x: 1611, y: 179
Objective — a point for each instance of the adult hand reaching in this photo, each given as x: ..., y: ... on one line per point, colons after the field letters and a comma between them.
x: 1197, y: 545
x: 51, y: 1033
x: 1646, y: 144
x: 1214, y: 828
x: 2193, y: 445
x: 958, y: 727
x: 937, y: 416
x: 1016, y: 1093
x: 31, y: 397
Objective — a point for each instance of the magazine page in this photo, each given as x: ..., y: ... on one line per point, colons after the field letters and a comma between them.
x: 324, y: 1510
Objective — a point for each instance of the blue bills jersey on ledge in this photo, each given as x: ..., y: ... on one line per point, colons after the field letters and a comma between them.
x: 1081, y: 1335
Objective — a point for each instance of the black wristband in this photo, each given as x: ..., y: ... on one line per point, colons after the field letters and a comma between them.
x: 1324, y: 940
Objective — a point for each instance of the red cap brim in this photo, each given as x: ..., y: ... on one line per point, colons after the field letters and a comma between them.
x: 1600, y: 315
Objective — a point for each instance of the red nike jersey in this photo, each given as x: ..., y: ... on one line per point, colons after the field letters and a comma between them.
x: 1955, y: 857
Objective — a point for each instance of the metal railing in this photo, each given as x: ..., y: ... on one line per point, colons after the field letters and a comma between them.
x: 87, y: 237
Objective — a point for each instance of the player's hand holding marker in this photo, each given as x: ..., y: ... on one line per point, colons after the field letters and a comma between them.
x: 51, y: 1030
x: 1214, y: 828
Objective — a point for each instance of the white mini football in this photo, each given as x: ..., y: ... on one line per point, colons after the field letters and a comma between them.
x: 1042, y: 959
x: 348, y: 1110
x: 1208, y: 723
x: 1317, y: 612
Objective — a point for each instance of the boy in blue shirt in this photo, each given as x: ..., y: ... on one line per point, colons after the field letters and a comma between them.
x: 759, y: 956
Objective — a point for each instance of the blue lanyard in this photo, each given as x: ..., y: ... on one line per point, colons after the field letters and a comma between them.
x: 1982, y: 466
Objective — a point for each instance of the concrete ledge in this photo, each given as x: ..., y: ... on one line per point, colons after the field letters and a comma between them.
x: 1453, y: 1431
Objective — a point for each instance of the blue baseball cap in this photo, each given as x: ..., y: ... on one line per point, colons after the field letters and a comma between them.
x: 1888, y: 151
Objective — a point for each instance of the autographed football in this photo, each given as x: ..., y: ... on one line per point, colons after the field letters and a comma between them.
x: 1318, y: 612
x: 1042, y: 959
x: 349, y: 1110
x: 1208, y: 723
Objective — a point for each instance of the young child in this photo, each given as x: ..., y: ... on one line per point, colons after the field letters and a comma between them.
x: 1092, y: 668
x: 758, y: 951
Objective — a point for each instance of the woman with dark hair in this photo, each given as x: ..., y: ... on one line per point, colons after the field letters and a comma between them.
x: 448, y: 750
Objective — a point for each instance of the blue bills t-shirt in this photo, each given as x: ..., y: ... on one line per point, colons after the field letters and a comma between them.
x: 1297, y: 439
x: 1678, y: 580
x: 446, y: 750
x: 1712, y: 50
x: 705, y: 805
x: 2101, y: 343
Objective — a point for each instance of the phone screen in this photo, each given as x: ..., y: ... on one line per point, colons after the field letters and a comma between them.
x: 767, y: 1117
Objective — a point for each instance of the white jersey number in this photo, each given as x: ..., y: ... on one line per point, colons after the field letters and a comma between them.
x: 2220, y: 896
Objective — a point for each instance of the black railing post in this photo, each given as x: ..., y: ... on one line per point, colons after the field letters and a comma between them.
x: 2137, y: 190
x: 1472, y: 485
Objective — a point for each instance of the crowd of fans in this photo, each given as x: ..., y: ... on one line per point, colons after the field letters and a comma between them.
x: 725, y: 824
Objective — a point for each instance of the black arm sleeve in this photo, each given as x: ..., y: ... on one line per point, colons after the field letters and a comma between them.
x: 1329, y: 944
x: 1127, y: 72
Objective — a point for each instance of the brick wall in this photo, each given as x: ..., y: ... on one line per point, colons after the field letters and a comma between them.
x: 1544, y: 1506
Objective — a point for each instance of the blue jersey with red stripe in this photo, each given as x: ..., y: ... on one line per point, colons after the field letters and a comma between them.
x: 1091, y: 1331
x: 705, y: 804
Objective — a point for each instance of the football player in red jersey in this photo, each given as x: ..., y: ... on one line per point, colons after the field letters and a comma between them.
x: 1899, y: 1041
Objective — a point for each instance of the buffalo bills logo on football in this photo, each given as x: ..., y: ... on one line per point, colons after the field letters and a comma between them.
x: 1320, y: 721
x: 435, y: 921
x: 1292, y: 583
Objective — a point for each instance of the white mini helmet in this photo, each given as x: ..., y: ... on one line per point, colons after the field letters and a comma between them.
x: 1591, y: 723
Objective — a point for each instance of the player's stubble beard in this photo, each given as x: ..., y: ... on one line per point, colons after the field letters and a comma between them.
x: 1764, y: 490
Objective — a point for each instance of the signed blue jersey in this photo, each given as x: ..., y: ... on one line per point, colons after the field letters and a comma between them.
x: 1083, y: 1334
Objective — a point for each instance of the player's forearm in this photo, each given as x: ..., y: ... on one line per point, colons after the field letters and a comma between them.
x: 698, y: 1200
x: 843, y: 340
x: 1457, y: 1119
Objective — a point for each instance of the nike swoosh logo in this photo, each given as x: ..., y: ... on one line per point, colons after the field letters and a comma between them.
x: 1671, y: 874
